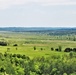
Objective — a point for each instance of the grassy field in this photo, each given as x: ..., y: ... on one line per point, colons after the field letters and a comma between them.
x: 26, y: 42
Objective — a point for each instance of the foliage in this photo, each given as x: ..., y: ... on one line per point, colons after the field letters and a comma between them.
x: 15, y: 64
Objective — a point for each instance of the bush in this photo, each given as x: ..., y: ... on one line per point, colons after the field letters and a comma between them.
x: 2, y: 69
x: 15, y: 45
x: 34, y: 47
x: 3, y: 44
x: 52, y: 48
x: 41, y: 48
x: 56, y: 49
x: 67, y: 50
x: 14, y: 55
x: 19, y: 55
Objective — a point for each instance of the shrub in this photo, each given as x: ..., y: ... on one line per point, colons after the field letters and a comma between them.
x: 67, y: 50
x: 41, y: 48
x: 19, y: 56
x: 3, y: 44
x: 2, y: 69
x: 15, y: 45
x: 56, y: 49
x: 34, y: 47
x: 52, y: 48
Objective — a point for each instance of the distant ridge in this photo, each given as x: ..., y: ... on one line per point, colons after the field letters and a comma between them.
x: 28, y: 29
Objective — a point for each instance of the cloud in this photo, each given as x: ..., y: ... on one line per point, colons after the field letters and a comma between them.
x: 70, y: 12
x: 8, y: 3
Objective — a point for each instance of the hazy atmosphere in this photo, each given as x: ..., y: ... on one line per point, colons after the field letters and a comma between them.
x: 37, y: 13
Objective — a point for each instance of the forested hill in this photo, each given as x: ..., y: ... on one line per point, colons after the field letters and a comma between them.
x: 49, y: 30
x: 25, y: 29
x: 21, y: 29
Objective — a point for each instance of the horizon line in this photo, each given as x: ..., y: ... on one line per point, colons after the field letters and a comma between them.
x: 34, y: 27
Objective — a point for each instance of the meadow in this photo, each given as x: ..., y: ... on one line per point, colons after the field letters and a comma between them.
x: 27, y: 41
x: 30, y: 53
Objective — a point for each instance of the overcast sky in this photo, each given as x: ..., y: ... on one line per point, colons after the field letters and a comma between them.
x: 38, y: 13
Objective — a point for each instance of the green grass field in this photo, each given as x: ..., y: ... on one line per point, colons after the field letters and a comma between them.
x: 26, y: 42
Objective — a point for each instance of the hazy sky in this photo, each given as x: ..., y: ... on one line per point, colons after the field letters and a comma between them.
x: 38, y: 13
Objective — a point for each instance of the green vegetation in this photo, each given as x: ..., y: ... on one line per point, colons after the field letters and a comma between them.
x: 38, y: 53
x: 15, y: 64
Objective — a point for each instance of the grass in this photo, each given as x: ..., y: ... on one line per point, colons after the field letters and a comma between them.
x: 32, y: 53
x: 26, y: 42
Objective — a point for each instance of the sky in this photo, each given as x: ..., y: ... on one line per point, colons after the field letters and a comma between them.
x: 37, y: 13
